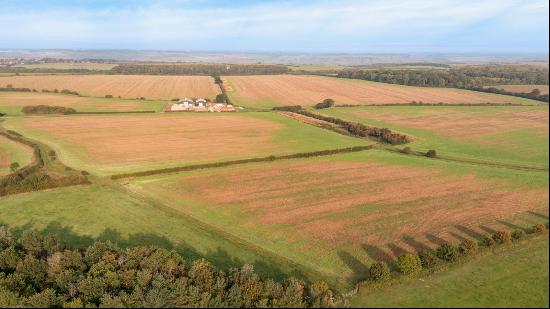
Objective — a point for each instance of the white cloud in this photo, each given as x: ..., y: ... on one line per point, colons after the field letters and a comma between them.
x: 192, y: 27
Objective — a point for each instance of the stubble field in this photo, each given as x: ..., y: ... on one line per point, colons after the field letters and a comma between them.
x: 111, y: 144
x: 338, y: 214
x: 125, y: 86
x: 510, y: 134
x: 266, y: 91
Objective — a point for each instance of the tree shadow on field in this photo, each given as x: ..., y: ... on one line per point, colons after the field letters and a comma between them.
x: 536, y: 214
x: 458, y: 236
x: 468, y: 231
x: 360, y: 271
x: 376, y: 254
x: 511, y: 225
x: 219, y: 257
x: 396, y: 250
x: 487, y: 229
x: 438, y: 241
x: 417, y: 245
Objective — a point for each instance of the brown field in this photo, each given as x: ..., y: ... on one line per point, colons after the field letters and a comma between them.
x: 312, y: 209
x: 308, y: 90
x: 125, y: 86
x: 523, y: 88
x: 14, y: 101
x: 150, y: 139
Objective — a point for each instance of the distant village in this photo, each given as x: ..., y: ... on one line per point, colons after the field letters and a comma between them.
x: 200, y: 105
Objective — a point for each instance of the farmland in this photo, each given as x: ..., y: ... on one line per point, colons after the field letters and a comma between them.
x: 114, y: 144
x: 125, y: 86
x: 69, y: 66
x: 12, y: 102
x: 485, y: 283
x: 11, y: 152
x: 275, y: 90
x: 338, y: 214
x: 509, y: 134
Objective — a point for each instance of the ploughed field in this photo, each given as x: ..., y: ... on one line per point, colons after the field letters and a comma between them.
x: 266, y: 91
x: 338, y: 214
x: 523, y: 88
x: 508, y: 134
x: 12, y: 103
x: 125, y: 86
x: 11, y: 152
x: 118, y: 144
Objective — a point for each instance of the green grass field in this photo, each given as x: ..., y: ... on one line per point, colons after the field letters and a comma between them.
x: 11, y: 152
x: 194, y: 144
x: 337, y: 214
x: 79, y: 215
x: 514, y: 134
x: 514, y: 277
x: 11, y: 103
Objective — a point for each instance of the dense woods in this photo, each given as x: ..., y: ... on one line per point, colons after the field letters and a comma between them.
x: 39, y: 271
x: 199, y: 69
x: 467, y: 77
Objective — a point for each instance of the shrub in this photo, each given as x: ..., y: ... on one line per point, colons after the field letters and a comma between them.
x: 539, y: 228
x: 431, y: 153
x: 84, y: 173
x: 409, y: 264
x: 379, y: 271
x: 406, y: 150
x: 518, y: 234
x: 468, y: 247
x: 427, y: 259
x: 109, y: 96
x: 14, y: 167
x: 325, y: 104
x: 447, y: 252
x: 502, y: 237
x: 488, y: 241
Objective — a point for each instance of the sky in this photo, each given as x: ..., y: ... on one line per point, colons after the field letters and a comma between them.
x: 341, y: 26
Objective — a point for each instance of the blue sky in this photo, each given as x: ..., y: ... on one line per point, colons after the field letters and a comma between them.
x: 346, y: 26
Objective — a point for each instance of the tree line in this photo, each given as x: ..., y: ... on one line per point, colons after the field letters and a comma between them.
x: 39, y: 271
x: 47, y: 109
x: 199, y: 69
x: 384, y: 135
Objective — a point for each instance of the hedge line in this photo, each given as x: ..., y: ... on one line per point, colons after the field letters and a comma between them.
x: 243, y: 161
x: 384, y: 135
x: 47, y: 109
x: 410, y: 264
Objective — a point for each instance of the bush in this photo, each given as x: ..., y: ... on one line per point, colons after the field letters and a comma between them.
x: 468, y: 247
x: 325, y: 104
x: 109, y: 96
x: 379, y: 271
x: 431, y: 153
x: 518, y: 234
x: 539, y: 228
x: 447, y: 252
x: 502, y: 237
x: 406, y: 150
x: 427, y: 259
x: 409, y: 264
x: 84, y: 173
x: 488, y: 241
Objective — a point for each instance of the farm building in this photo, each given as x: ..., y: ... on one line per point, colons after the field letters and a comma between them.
x: 201, y: 105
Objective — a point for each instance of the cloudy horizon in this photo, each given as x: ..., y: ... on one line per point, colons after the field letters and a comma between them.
x: 349, y: 26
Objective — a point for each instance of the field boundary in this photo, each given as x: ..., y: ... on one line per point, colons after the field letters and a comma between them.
x: 470, y: 161
x: 271, y: 158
